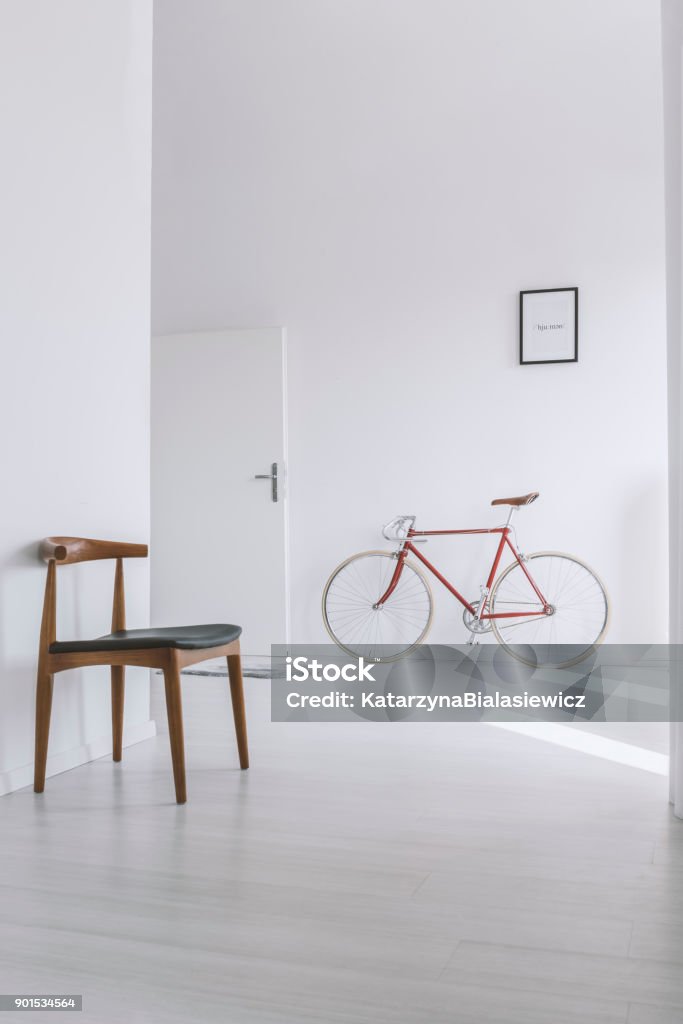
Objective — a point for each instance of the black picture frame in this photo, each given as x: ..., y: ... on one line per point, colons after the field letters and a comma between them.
x: 563, y: 357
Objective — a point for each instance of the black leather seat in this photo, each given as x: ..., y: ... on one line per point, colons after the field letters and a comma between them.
x: 185, y: 638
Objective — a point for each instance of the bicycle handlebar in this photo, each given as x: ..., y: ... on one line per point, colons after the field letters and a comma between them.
x: 396, y: 524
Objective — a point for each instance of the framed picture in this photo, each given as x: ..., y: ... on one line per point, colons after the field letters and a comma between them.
x: 549, y: 326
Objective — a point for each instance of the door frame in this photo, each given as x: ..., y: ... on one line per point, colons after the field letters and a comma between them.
x: 285, y: 489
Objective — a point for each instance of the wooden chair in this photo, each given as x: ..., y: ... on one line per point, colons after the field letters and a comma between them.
x: 168, y: 649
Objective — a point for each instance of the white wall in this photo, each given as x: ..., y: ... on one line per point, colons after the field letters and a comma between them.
x: 382, y: 178
x: 75, y: 78
x: 672, y: 36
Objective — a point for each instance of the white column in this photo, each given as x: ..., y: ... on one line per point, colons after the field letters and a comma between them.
x: 672, y: 38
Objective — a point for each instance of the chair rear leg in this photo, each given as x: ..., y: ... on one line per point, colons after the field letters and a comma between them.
x: 43, y: 710
x: 174, y: 710
x: 118, y: 685
x: 238, y: 709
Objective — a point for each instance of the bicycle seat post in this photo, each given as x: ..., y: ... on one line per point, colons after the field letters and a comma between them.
x: 513, y: 509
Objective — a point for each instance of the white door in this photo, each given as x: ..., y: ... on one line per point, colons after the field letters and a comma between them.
x: 219, y: 535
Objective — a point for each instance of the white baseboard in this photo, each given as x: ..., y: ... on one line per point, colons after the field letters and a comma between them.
x: 17, y: 778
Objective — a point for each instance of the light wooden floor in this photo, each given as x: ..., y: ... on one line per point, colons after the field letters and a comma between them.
x: 407, y: 874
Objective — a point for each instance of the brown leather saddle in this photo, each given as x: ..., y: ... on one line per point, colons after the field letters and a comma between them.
x: 524, y: 499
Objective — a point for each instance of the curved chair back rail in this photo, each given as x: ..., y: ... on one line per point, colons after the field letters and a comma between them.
x: 67, y: 550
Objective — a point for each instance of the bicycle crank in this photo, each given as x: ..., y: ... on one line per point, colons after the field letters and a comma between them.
x: 474, y: 624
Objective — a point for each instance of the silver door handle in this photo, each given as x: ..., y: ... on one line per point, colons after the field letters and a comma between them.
x: 272, y: 476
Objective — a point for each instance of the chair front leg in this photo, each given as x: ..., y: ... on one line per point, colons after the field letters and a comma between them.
x: 174, y: 710
x: 118, y: 685
x: 43, y: 711
x: 238, y: 709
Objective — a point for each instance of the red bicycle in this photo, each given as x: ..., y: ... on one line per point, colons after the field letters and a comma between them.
x: 545, y: 608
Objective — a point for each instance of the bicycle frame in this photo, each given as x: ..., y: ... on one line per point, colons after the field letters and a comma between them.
x: 478, y: 612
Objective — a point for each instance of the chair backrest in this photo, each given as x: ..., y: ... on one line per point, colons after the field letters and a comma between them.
x: 68, y: 550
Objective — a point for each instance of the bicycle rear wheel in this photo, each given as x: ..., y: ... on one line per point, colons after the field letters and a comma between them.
x: 578, y: 616
x: 376, y: 634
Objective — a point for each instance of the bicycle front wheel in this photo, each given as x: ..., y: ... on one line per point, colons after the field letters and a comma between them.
x: 564, y: 630
x: 363, y: 630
